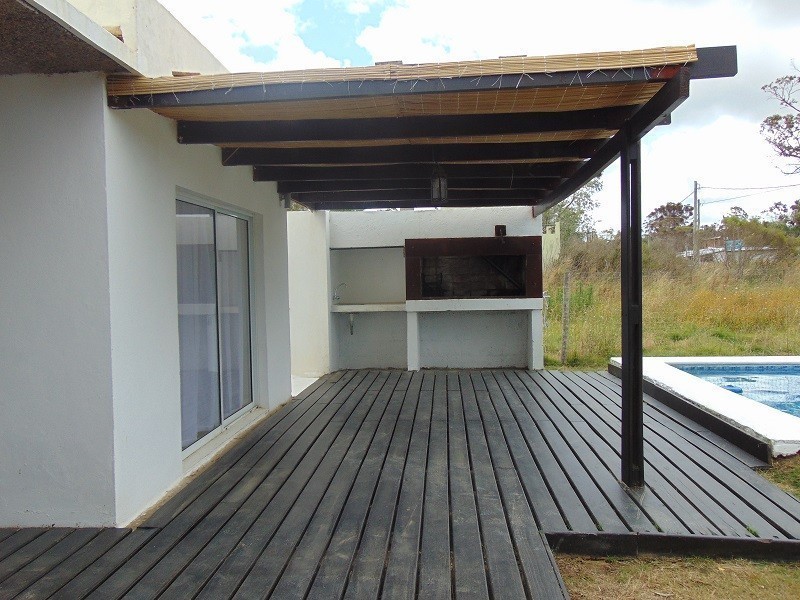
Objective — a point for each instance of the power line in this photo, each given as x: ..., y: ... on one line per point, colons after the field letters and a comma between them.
x: 742, y: 196
x: 738, y: 189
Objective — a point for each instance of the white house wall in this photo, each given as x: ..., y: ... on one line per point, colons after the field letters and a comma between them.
x: 56, y: 430
x: 145, y: 166
x: 160, y: 42
x: 375, y: 229
x: 308, y: 293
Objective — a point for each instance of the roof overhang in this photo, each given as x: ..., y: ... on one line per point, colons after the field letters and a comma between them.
x: 509, y: 131
x: 52, y: 36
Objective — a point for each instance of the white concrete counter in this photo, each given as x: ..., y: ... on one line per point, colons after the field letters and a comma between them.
x: 372, y: 307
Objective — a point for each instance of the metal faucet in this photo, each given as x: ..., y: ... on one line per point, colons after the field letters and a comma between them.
x: 336, y: 296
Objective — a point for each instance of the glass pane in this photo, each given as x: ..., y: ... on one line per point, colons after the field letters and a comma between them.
x: 197, y: 322
x: 234, y: 313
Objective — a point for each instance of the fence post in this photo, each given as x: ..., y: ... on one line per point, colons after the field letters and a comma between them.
x: 565, y: 319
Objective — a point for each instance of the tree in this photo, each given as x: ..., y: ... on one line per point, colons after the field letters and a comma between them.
x: 575, y: 213
x: 668, y: 219
x: 782, y: 131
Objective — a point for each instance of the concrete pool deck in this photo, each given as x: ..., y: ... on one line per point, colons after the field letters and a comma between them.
x: 776, y: 428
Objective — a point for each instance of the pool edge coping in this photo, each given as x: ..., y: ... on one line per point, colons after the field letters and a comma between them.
x: 756, y: 428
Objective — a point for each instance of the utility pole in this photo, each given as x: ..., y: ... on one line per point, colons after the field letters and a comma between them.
x: 696, y: 228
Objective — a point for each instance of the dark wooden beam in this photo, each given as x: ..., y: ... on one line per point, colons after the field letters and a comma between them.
x: 632, y: 451
x: 398, y: 204
x: 453, y: 183
x: 514, y: 171
x: 315, y: 90
x: 432, y: 154
x: 241, y: 132
x: 667, y: 99
x: 715, y: 62
x: 528, y: 197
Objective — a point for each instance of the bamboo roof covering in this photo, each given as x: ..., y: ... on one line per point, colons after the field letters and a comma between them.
x: 558, y: 116
x: 631, y: 59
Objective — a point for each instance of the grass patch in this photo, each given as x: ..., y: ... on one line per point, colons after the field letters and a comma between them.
x: 677, y: 578
x: 785, y: 473
x: 704, y: 310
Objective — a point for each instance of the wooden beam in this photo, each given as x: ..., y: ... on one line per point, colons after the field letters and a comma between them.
x: 315, y: 90
x: 431, y: 154
x: 453, y: 183
x: 667, y: 99
x: 329, y: 130
x: 398, y: 204
x: 528, y: 197
x: 554, y: 171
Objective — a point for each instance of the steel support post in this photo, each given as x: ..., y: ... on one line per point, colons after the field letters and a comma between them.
x: 631, y: 264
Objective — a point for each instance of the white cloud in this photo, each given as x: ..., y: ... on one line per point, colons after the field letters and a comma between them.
x: 359, y: 7
x: 714, y: 137
x: 230, y: 28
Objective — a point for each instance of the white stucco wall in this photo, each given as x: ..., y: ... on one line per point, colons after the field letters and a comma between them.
x: 309, y: 301
x: 368, y: 275
x: 375, y: 229
x: 144, y: 166
x: 56, y: 437
x: 462, y: 340
x: 378, y: 340
x: 160, y: 42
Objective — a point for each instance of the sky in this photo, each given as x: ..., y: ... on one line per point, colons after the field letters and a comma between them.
x: 714, y: 137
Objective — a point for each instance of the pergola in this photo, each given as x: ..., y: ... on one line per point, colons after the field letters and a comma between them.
x: 511, y: 131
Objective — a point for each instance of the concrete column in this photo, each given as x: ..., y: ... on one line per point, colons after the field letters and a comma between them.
x: 536, y: 341
x: 412, y: 333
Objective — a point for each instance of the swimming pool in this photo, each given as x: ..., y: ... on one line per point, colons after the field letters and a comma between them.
x: 777, y: 386
x: 776, y: 379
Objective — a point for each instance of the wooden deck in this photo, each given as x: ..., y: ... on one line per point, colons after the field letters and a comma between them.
x: 390, y: 484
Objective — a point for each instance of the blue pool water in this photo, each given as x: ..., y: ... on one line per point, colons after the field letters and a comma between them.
x: 777, y: 386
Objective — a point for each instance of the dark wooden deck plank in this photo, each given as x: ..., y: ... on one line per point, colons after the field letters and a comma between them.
x: 597, y: 503
x: 469, y: 572
x: 82, y: 585
x: 366, y: 573
x: 680, y: 422
x: 242, y: 455
x: 433, y: 575
x: 228, y: 546
x: 673, y: 494
x: 402, y: 561
x: 605, y: 444
x: 547, y: 512
x: 781, y: 501
x: 74, y: 564
x: 727, y: 480
x: 333, y: 569
x: 505, y: 576
x: 714, y: 508
x: 29, y: 552
x: 280, y: 442
x: 536, y: 562
x: 7, y: 532
x: 19, y: 539
x: 46, y: 561
x: 269, y: 567
x: 433, y: 484
x: 522, y: 406
x: 590, y: 450
x: 297, y: 577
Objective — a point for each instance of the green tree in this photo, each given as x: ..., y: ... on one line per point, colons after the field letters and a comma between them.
x: 668, y: 219
x: 782, y: 131
x: 575, y: 214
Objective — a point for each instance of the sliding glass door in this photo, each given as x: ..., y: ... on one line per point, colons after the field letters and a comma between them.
x: 213, y: 318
